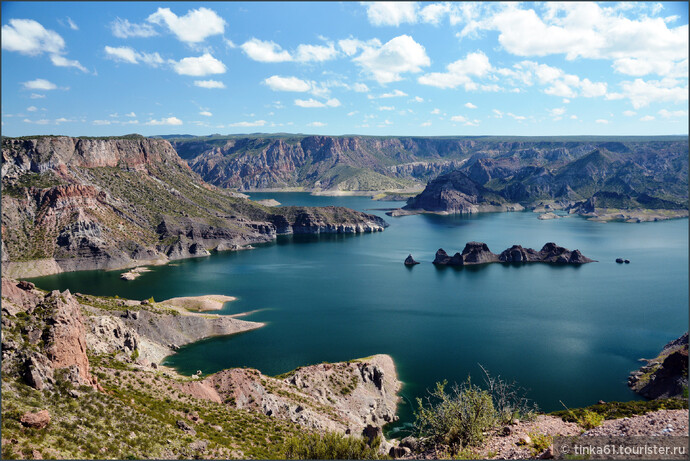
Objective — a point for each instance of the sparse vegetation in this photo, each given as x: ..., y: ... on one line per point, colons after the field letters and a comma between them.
x: 615, y: 410
x: 331, y: 446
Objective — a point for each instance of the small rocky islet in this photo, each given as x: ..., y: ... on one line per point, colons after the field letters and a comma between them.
x: 479, y: 253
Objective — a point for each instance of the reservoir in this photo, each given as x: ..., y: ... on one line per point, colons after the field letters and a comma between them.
x: 564, y: 333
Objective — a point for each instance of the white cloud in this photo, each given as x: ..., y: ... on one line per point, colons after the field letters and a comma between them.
x: 557, y: 82
x: 29, y: 37
x: 122, y: 28
x: 602, y: 121
x: 647, y: 118
x: 165, y: 121
x: 129, y: 55
x: 318, y: 53
x: 386, y: 108
x: 314, y: 103
x: 589, y: 30
x: 209, y: 84
x: 641, y: 93
x: 194, y: 27
x: 432, y: 13
x: 469, y: 105
x: 629, y: 113
x: 39, y: 84
x: 557, y: 112
x: 418, y: 99
x: 391, y: 13
x: 350, y: 114
x: 278, y: 83
x: 360, y: 88
x: 71, y: 24
x: 206, y: 113
x: 436, y: 111
x: 316, y: 124
x: 262, y: 51
x: 458, y: 118
x: 393, y: 94
x: 199, y: 66
x: 427, y: 123
x: 249, y: 124
x: 131, y: 114
x: 460, y: 72
x: 516, y: 117
x: 61, y: 61
x: 37, y: 96
x: 32, y: 109
x: 673, y: 114
x: 498, y: 113
x: 386, y: 62
x: 101, y: 122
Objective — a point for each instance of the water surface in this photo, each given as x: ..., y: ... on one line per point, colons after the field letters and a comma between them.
x: 563, y: 332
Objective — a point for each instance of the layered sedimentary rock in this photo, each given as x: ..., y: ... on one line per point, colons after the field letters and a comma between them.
x: 479, y: 253
x: 72, y: 204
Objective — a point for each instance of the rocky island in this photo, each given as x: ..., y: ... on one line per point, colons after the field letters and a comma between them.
x: 479, y: 253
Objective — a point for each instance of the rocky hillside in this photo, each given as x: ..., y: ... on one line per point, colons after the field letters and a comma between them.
x: 527, y: 169
x: 82, y: 378
x: 665, y: 375
x: 635, y: 186
x: 73, y: 203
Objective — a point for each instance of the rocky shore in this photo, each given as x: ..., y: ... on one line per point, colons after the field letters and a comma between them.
x: 479, y: 253
x: 666, y: 375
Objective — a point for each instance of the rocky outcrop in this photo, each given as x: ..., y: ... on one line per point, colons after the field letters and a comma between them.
x: 479, y: 253
x: 75, y: 204
x: 456, y: 193
x: 665, y: 375
x: 345, y: 397
x: 38, y: 420
x: 409, y: 261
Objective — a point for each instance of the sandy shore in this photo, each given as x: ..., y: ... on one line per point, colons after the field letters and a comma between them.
x: 200, y: 303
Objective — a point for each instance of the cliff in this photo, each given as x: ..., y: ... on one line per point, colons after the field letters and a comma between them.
x: 520, y: 169
x: 72, y: 204
x: 479, y: 253
x: 665, y: 375
x: 94, y: 365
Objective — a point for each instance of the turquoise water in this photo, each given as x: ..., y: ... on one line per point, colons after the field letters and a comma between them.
x: 565, y: 333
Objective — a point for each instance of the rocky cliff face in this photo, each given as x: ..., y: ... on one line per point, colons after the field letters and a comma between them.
x: 665, y: 375
x: 72, y: 204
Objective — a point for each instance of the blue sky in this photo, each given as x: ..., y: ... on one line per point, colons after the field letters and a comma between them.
x: 98, y: 69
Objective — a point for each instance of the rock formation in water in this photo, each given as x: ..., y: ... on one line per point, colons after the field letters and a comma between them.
x: 73, y: 204
x: 479, y: 253
x: 409, y: 261
x: 665, y: 375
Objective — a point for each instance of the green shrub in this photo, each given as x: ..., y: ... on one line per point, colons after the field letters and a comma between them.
x: 540, y: 442
x: 615, y: 410
x: 509, y: 399
x: 590, y: 419
x: 331, y: 446
x: 457, y: 419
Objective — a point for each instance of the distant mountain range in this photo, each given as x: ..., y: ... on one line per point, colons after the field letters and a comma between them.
x: 623, y: 172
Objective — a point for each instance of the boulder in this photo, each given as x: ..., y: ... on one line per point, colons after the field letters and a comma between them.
x: 619, y: 260
x: 441, y: 257
x: 37, y: 420
x: 409, y: 261
x: 371, y: 432
x: 399, y: 452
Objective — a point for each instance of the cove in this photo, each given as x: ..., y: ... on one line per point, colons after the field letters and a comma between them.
x: 562, y: 332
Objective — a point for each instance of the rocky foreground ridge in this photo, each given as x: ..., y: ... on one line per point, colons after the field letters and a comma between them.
x: 72, y: 347
x: 73, y: 204
x: 665, y: 376
x: 479, y: 253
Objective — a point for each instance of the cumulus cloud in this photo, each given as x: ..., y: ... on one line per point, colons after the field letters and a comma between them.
x: 206, y: 113
x: 39, y: 84
x: 32, y: 109
x: 391, y: 13
x: 210, y: 84
x: 315, y: 53
x: 602, y: 121
x: 165, y: 121
x: 587, y: 30
x: 673, y: 113
x: 387, y: 62
x: 37, y: 96
x: 469, y: 105
x: 311, y: 102
x: 194, y: 27
x: 278, y: 83
x: 129, y: 55
x: 555, y: 80
x: 30, y: 38
x: 265, y: 51
x: 393, y: 94
x: 199, y: 66
x: 360, y: 88
x: 316, y: 124
x: 647, y: 118
x: 641, y: 93
x: 460, y: 72
x: 122, y: 28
